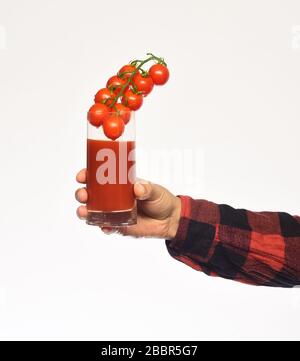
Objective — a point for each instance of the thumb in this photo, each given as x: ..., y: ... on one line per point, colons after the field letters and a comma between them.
x: 147, y: 191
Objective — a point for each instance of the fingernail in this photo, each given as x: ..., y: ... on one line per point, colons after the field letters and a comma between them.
x: 140, y: 187
x: 79, y: 216
x: 142, y: 190
x: 108, y: 230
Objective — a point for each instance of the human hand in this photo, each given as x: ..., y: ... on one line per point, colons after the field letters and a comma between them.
x: 158, y: 210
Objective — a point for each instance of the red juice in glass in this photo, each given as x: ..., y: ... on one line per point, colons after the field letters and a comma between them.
x: 111, y: 177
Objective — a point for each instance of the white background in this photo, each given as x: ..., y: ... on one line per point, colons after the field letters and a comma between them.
x: 233, y: 95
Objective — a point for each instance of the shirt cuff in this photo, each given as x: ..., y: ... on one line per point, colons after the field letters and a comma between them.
x: 198, y: 222
x: 184, y: 220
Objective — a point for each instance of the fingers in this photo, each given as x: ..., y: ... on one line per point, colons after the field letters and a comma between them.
x: 81, y: 195
x: 148, y: 191
x: 143, y: 228
x: 110, y: 230
x: 81, y: 176
x: 124, y: 231
x: 82, y: 212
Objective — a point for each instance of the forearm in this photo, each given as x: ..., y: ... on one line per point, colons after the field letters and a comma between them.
x: 255, y: 248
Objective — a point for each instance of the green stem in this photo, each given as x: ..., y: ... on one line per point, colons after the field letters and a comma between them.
x: 136, y: 61
x: 159, y: 60
x: 144, y: 72
x: 142, y: 63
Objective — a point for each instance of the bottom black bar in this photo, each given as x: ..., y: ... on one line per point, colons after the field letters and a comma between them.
x: 100, y: 350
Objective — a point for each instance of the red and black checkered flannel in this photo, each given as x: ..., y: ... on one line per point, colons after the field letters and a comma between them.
x: 250, y: 247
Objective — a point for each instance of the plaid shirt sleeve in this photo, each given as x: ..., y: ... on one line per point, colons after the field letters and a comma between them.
x: 254, y: 248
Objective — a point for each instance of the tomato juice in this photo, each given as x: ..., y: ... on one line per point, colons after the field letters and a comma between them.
x: 110, y: 181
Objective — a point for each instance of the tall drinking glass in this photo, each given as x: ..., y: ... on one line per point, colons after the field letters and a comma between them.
x: 110, y: 177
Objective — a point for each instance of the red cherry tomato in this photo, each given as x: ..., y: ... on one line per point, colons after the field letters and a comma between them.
x: 97, y: 114
x: 144, y: 84
x: 113, y: 127
x: 115, y: 84
x: 126, y: 71
x: 131, y: 100
x: 159, y: 74
x: 104, y: 96
x: 123, y: 112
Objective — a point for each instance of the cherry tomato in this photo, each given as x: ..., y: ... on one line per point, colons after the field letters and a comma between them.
x: 104, y: 96
x: 97, y: 114
x: 126, y: 71
x: 159, y: 74
x: 131, y: 100
x: 115, y: 84
x: 123, y: 112
x: 144, y: 84
x: 113, y: 127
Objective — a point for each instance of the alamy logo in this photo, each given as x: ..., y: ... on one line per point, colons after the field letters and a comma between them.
x: 183, y: 168
x: 115, y: 167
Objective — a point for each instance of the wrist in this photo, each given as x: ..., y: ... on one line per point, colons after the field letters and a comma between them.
x: 175, y: 218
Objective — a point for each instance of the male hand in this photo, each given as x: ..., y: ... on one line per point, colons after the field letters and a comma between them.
x: 158, y: 210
